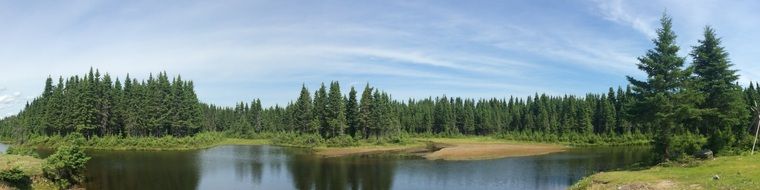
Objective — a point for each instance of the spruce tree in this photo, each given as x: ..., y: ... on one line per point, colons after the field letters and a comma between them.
x: 352, y: 112
x: 302, y: 114
x: 365, y: 112
x: 656, y: 96
x: 336, y: 115
x: 724, y: 110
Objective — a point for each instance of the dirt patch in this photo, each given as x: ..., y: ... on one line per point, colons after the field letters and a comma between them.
x: 659, y: 185
x: 480, y: 151
x: 450, y: 151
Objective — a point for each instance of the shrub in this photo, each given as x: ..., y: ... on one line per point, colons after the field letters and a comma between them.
x: 66, y: 166
x: 342, y: 141
x: 686, y: 144
x: 22, y: 150
x: 15, y: 177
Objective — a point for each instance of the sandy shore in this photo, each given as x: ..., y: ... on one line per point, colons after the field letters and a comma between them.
x: 482, y: 151
x: 456, y: 149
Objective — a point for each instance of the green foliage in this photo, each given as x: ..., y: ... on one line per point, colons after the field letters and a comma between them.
x: 66, y: 166
x: 299, y: 140
x: 724, y: 112
x: 686, y: 145
x: 578, y: 139
x: 15, y: 177
x: 341, y: 141
x: 168, y: 142
x: 22, y: 150
x: 93, y: 105
x: 664, y: 99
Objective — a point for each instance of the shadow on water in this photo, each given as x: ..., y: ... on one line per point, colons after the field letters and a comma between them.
x: 270, y: 167
x: 143, y: 170
x: 355, y: 172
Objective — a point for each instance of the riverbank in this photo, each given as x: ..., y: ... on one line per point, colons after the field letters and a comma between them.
x: 199, y: 141
x: 432, y: 148
x: 30, y: 166
x: 471, y: 148
x: 732, y: 172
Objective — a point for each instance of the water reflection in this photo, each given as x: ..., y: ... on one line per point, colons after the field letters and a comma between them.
x: 365, y: 172
x: 3, y: 148
x: 268, y: 167
x: 142, y: 170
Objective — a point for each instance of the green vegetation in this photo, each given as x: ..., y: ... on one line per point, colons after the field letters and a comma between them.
x: 30, y: 168
x: 690, y: 103
x: 201, y: 140
x: 66, y: 166
x: 22, y: 150
x: 93, y: 105
x: 15, y: 177
x: 734, y: 172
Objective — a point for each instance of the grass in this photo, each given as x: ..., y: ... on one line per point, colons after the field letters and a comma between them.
x: 735, y: 172
x: 30, y: 166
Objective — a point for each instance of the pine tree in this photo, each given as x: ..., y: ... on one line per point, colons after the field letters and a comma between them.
x: 656, y: 96
x: 365, y: 112
x: 303, y: 111
x: 724, y: 110
x: 336, y: 116
x: 352, y: 112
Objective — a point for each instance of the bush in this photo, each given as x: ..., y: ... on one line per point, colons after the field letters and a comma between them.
x: 22, y: 150
x: 15, y: 177
x: 66, y: 166
x: 300, y: 140
x: 342, y: 141
x: 685, y: 145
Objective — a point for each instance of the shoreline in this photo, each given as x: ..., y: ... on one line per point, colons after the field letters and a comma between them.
x: 733, y: 172
x: 451, y: 149
x: 465, y: 148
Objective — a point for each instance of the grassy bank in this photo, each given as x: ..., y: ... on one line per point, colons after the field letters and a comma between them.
x: 202, y: 140
x: 28, y: 165
x: 734, y: 172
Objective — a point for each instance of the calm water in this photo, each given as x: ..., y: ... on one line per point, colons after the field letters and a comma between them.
x: 270, y: 167
x: 3, y: 148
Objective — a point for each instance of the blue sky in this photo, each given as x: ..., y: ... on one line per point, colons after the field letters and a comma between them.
x: 241, y: 50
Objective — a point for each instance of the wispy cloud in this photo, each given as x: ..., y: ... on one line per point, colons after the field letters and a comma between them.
x: 8, y: 99
x: 614, y: 10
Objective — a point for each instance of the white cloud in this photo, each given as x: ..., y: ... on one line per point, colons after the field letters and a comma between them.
x: 7, y: 100
x: 614, y: 10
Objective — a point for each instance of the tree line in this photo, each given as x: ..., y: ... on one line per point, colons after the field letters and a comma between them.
x: 94, y: 104
x: 701, y: 101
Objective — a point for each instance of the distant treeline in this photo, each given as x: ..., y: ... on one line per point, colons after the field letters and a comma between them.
x: 682, y: 108
x: 96, y: 105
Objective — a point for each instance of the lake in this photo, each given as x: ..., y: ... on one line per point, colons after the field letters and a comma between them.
x: 272, y: 167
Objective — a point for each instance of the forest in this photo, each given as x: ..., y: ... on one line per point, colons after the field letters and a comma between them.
x: 679, y: 108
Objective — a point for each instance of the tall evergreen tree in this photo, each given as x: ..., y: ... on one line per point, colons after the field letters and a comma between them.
x: 657, y: 95
x: 724, y: 108
x: 303, y: 111
x: 352, y: 112
x: 320, y: 111
x: 366, y: 107
x: 336, y: 115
